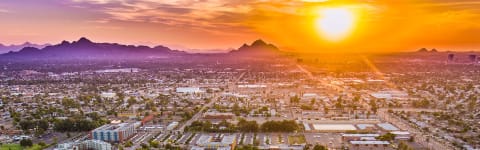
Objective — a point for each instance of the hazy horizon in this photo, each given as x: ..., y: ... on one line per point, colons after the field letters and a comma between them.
x: 226, y: 50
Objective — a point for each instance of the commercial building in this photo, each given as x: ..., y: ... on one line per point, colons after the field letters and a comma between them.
x: 402, y: 135
x: 116, y: 133
x: 359, y: 137
x: 218, y: 142
x: 334, y: 127
x: 387, y: 127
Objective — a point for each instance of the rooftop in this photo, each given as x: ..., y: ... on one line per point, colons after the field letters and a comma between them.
x: 370, y: 142
x: 114, y: 127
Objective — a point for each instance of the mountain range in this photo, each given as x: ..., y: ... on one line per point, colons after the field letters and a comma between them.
x: 8, y: 48
x: 86, y: 49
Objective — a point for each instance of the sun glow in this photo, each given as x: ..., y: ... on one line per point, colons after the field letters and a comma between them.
x: 334, y: 24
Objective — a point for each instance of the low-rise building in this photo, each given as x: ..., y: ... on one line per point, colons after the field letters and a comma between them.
x: 358, y: 137
x: 218, y: 142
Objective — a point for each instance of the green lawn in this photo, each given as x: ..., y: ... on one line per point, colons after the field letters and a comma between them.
x: 10, y: 147
x: 296, y: 139
x: 18, y: 147
x: 35, y: 147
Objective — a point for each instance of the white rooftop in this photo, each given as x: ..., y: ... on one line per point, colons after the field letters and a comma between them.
x: 370, y: 142
x: 360, y: 135
x: 387, y: 127
x: 334, y: 127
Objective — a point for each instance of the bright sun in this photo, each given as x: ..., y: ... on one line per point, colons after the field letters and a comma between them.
x: 335, y: 23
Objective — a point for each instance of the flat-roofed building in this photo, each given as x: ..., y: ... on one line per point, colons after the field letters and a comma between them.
x: 115, y: 133
x: 334, y: 127
x: 387, y: 127
x: 358, y: 137
x: 218, y: 142
x: 402, y: 135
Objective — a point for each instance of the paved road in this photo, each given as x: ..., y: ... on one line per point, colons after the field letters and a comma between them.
x: 323, y: 82
x: 209, y: 105
x: 199, y: 114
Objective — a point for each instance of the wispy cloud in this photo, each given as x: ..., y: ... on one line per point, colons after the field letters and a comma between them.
x: 4, y: 11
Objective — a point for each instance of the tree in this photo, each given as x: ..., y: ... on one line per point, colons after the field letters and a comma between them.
x: 42, y: 124
x: 75, y: 124
x: 25, y: 125
x: 26, y: 143
x: 247, y: 147
x: 421, y: 104
x: 319, y: 147
x: 247, y: 126
x: 131, y: 101
x: 153, y: 144
x: 294, y: 99
x: 128, y: 144
x: 144, y: 146
x: 279, y: 126
x: 373, y: 105
x: 403, y: 146
x: 386, y: 137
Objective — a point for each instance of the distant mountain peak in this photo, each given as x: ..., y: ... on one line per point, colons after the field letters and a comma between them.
x: 423, y: 50
x: 29, y: 49
x: 257, y: 48
x: 84, y: 40
x: 259, y: 42
x: 64, y: 42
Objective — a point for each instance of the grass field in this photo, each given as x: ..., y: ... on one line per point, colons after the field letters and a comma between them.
x: 10, y: 147
x: 18, y: 147
x: 35, y: 147
x: 296, y: 139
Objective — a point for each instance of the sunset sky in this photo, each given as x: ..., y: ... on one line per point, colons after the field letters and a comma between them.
x: 294, y: 25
